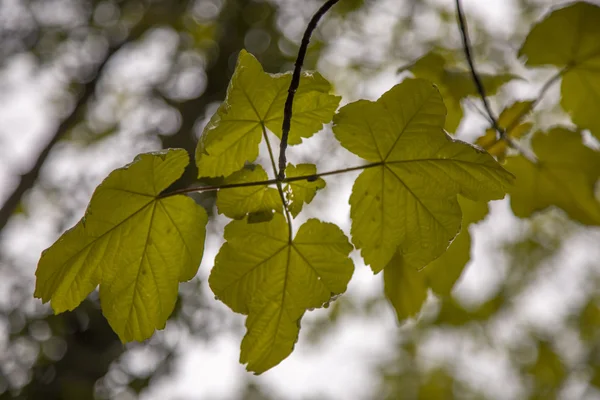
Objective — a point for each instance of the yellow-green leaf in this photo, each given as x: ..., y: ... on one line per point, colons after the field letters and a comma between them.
x: 237, y: 202
x: 564, y: 176
x: 258, y: 272
x: 548, y: 371
x: 405, y: 287
x: 506, y: 120
x: 454, y: 85
x: 300, y: 192
x: 442, y: 273
x: 136, y: 245
x: 406, y: 199
x: 256, y: 99
x: 570, y: 38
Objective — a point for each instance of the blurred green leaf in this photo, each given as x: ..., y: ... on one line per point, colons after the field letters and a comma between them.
x: 443, y: 273
x: 569, y: 38
x: 507, y: 118
x: 564, y: 176
x: 454, y: 85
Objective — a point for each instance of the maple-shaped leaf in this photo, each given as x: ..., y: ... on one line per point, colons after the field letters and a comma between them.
x: 260, y: 273
x: 443, y: 272
x: 569, y: 38
x: 406, y: 286
x: 136, y: 245
x: 238, y: 202
x: 564, y: 176
x: 454, y: 85
x: 406, y: 199
x: 303, y: 191
x: 255, y: 100
x: 514, y: 130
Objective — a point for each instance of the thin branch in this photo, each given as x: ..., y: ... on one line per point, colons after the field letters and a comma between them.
x: 287, y: 111
x: 288, y: 216
x: 537, y: 100
x: 476, y: 79
x: 308, y: 178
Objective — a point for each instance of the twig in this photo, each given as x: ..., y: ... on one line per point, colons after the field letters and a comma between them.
x: 284, y: 202
x: 476, y: 79
x: 308, y: 178
x: 287, y: 111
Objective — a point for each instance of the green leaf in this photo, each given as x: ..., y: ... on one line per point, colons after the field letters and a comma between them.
x: 569, y: 38
x: 443, y: 273
x: 564, y: 176
x: 548, y: 371
x: 406, y: 199
x: 256, y: 99
x: 237, y: 202
x: 405, y: 287
x: 136, y: 245
x: 490, y: 143
x: 258, y: 272
x: 301, y: 192
x: 454, y: 85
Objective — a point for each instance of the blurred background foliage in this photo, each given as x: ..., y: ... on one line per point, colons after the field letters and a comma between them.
x: 87, y: 84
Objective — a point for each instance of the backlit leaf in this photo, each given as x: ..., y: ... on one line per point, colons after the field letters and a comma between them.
x: 136, y: 245
x: 301, y: 192
x: 570, y: 38
x: 406, y: 287
x: 237, y: 202
x: 490, y: 143
x: 453, y: 84
x: 564, y: 176
x: 443, y: 273
x: 256, y: 99
x: 406, y: 200
x: 258, y: 272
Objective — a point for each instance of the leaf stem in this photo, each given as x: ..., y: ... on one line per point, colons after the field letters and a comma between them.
x: 309, y: 178
x: 287, y: 111
x: 279, y: 186
x: 464, y: 31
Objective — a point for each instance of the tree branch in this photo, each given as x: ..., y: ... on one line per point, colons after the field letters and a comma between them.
x: 308, y: 178
x: 462, y: 24
x: 287, y: 111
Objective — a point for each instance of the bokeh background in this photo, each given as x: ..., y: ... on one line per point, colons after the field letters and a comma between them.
x: 85, y: 85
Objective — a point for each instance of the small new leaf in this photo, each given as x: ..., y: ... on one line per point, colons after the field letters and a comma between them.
x: 237, y: 202
x: 564, y: 176
x: 514, y: 130
x: 406, y: 201
x: 136, y: 245
x: 569, y: 38
x: 256, y: 99
x: 302, y: 192
x: 258, y: 272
